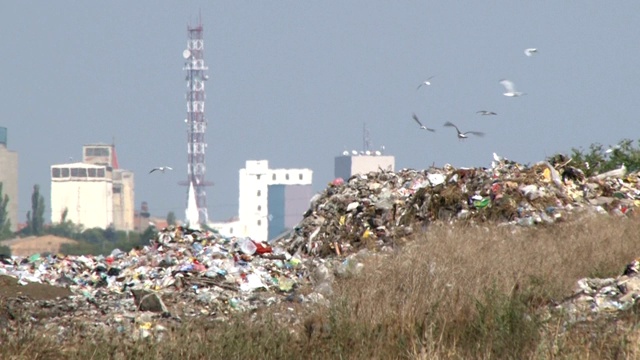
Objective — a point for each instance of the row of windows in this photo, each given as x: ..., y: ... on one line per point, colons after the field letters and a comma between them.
x: 96, y: 152
x: 286, y: 176
x: 77, y: 172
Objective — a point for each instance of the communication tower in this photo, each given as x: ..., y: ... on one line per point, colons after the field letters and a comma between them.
x: 196, y: 122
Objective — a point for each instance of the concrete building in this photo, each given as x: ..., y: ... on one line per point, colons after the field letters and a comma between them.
x: 348, y: 164
x: 271, y: 200
x: 123, y: 200
x: 9, y: 177
x: 95, y: 192
x: 85, y: 192
x: 122, y: 180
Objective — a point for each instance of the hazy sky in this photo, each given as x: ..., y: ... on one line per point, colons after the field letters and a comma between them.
x: 293, y: 82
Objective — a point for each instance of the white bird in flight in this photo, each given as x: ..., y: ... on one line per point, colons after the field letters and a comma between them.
x: 160, y: 168
x: 485, y: 112
x: 415, y: 117
x: 530, y: 51
x: 426, y: 82
x: 463, y: 135
x: 510, y: 88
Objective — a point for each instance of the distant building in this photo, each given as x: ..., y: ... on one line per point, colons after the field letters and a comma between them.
x: 270, y: 202
x: 95, y: 192
x: 85, y: 192
x: 9, y: 177
x: 350, y: 164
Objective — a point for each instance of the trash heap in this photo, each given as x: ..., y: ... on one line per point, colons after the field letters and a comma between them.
x: 593, y: 297
x: 183, y: 273
x: 377, y: 209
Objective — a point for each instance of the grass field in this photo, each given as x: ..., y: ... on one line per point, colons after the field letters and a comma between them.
x: 454, y: 292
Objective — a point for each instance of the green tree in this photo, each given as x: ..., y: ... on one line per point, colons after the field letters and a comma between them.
x: 35, y: 217
x: 171, y: 218
x: 5, y: 222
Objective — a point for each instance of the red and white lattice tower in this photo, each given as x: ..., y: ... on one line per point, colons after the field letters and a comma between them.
x: 196, y: 123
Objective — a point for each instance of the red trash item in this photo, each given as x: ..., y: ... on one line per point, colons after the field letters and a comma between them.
x: 337, y: 181
x: 262, y: 249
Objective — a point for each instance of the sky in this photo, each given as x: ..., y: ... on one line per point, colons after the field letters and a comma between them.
x: 296, y: 82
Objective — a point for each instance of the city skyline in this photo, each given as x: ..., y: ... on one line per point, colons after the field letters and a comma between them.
x: 293, y: 83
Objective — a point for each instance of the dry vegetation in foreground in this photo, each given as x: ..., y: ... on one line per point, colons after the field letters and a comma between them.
x: 453, y: 293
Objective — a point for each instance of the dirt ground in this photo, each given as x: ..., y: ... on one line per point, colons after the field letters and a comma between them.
x: 36, y: 245
x: 9, y: 288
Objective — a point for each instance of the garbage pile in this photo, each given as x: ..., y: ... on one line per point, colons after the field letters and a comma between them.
x: 374, y: 210
x: 183, y: 273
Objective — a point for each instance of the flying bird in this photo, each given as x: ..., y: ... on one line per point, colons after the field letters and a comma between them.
x: 415, y: 117
x: 426, y: 82
x: 161, y: 168
x: 530, y: 51
x: 463, y: 135
x: 510, y: 88
x: 485, y: 112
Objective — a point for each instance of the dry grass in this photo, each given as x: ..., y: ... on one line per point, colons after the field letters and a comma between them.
x: 454, y: 292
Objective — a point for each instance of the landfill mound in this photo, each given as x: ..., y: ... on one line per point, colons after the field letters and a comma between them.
x: 185, y: 273
x: 378, y: 209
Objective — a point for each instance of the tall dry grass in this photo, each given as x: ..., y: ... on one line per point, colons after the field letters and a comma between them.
x: 454, y: 292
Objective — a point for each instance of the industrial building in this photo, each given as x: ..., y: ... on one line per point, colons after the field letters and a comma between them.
x: 94, y: 192
x: 9, y: 177
x: 271, y: 201
x: 362, y: 162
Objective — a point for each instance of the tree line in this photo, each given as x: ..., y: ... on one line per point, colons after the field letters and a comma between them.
x: 89, y: 241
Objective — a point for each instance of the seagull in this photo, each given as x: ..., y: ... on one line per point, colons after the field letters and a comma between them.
x: 426, y: 82
x: 161, y: 168
x: 485, y: 112
x: 530, y: 51
x: 463, y: 135
x: 511, y: 90
x: 415, y: 117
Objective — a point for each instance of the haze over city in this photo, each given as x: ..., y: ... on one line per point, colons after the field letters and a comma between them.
x: 295, y: 82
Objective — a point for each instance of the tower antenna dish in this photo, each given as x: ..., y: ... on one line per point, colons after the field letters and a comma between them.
x: 186, y: 53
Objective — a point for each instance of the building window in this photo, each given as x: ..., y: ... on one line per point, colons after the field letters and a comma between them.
x: 259, y: 207
x: 300, y: 176
x: 97, y: 152
x: 230, y: 230
x: 100, y: 173
x: 286, y: 176
x: 258, y: 176
x: 259, y: 192
x: 64, y: 172
x: 273, y: 177
x: 55, y: 172
x: 92, y: 172
x: 75, y: 172
x: 82, y: 172
x: 259, y: 222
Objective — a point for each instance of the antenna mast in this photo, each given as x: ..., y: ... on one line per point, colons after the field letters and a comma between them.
x: 196, y: 123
